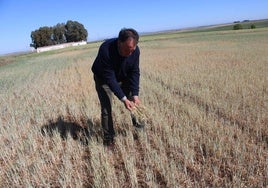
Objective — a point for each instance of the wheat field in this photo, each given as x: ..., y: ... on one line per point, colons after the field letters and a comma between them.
x: 207, y: 109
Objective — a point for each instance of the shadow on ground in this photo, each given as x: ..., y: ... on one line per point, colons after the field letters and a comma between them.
x: 83, y: 130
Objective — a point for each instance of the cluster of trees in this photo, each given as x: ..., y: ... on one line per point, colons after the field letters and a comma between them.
x: 240, y: 26
x: 72, y: 31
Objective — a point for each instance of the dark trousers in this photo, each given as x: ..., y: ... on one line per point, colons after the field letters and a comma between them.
x: 105, y: 96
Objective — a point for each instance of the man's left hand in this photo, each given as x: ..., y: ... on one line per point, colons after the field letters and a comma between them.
x: 136, y: 100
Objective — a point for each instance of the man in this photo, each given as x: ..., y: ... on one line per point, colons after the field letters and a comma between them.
x: 116, y: 71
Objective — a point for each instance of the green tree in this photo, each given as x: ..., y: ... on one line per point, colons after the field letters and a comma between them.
x: 59, y: 34
x: 75, y: 31
x: 42, y: 37
x: 237, y: 27
x: 252, y: 26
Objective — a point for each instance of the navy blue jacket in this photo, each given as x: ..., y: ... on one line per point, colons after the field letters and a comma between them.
x: 112, y: 68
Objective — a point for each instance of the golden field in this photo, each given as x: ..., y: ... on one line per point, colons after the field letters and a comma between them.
x: 206, y: 98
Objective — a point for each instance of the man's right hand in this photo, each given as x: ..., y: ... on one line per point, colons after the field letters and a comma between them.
x: 129, y: 104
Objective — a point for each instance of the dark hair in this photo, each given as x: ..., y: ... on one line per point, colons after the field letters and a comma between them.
x: 126, y: 33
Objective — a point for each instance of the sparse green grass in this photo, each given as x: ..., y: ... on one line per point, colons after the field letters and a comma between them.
x: 206, y: 94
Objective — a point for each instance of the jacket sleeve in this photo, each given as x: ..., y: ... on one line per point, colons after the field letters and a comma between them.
x: 134, y: 78
x: 108, y: 74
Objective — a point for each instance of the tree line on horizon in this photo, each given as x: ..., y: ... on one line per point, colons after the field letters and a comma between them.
x: 72, y: 31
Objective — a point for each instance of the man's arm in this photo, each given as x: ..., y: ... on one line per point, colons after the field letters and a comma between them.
x: 108, y: 74
x: 134, y: 77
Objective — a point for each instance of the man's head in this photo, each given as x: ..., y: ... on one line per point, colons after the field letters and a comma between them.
x: 127, y: 41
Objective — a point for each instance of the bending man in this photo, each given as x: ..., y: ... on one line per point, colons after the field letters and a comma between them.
x: 116, y: 71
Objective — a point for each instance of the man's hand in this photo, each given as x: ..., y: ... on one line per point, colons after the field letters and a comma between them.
x: 129, y: 104
x: 136, y: 100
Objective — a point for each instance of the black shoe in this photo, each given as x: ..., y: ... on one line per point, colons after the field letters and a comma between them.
x: 109, y: 144
x: 137, y: 124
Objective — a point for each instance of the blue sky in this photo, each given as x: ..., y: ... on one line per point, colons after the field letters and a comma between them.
x: 104, y: 18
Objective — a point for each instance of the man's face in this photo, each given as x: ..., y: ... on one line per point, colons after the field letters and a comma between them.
x: 126, y: 48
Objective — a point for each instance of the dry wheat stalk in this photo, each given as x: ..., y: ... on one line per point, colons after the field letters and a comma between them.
x: 141, y: 114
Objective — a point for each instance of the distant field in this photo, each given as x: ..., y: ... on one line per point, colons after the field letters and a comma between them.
x: 245, y: 24
x: 205, y: 94
x: 221, y: 27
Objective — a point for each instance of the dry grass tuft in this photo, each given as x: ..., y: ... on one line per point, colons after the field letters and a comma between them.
x: 142, y: 115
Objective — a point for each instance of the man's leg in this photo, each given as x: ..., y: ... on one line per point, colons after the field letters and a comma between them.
x: 105, y: 97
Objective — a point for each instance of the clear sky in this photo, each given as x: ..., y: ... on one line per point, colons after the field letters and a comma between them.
x: 104, y: 18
